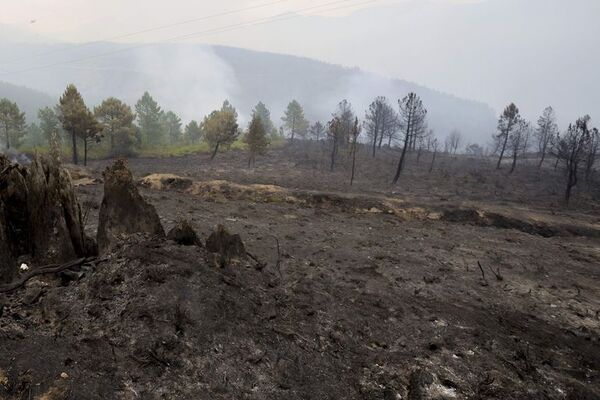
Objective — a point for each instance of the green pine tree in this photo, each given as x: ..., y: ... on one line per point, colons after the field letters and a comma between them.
x: 256, y: 138
x: 294, y: 120
x: 149, y: 116
x: 12, y: 123
x: 117, y: 119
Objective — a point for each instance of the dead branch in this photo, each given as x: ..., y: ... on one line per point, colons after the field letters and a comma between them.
x: 483, y: 280
x: 278, y: 262
x: 46, y: 269
x: 497, y: 274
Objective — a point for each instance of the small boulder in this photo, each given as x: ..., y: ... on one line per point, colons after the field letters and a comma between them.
x: 184, y: 234
x: 225, y: 245
x: 124, y: 211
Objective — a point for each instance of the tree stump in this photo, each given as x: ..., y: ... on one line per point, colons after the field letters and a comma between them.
x: 40, y: 217
x: 184, y: 234
x: 124, y: 211
x: 225, y: 246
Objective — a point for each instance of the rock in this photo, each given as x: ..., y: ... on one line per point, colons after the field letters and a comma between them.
x: 184, y: 234
x: 124, y: 211
x: 40, y: 215
x: 225, y: 245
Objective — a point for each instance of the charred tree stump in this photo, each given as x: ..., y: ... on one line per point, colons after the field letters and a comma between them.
x: 40, y: 216
x: 124, y: 211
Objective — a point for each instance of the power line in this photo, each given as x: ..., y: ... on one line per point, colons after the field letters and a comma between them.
x: 260, y: 21
x: 153, y: 29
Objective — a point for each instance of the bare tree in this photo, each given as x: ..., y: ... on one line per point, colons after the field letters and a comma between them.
x: 592, y: 153
x: 317, y: 131
x: 507, y: 122
x: 434, y: 149
x: 373, y: 121
x: 412, y: 118
x: 546, y: 130
x: 346, y: 118
x: 354, y: 146
x: 381, y: 121
x: 474, y: 150
x: 572, y: 148
x: 335, y: 133
x: 453, y: 141
x: 518, y: 142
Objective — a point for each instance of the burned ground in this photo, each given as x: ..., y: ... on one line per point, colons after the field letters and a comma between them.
x: 369, y: 292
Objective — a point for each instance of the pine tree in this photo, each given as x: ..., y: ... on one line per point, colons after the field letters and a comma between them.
x: 354, y: 134
x: 12, y: 122
x: 294, y: 120
x: 34, y: 135
x: 546, y: 130
x: 149, y: 115
x: 220, y: 127
x: 261, y: 111
x: 509, y: 120
x: 346, y: 117
x: 412, y: 115
x: 172, y: 125
x: 335, y: 134
x: 572, y: 148
x: 193, y: 132
x: 116, y: 119
x: 256, y: 138
x: 92, y: 133
x: 317, y: 131
x: 49, y: 124
x: 76, y: 119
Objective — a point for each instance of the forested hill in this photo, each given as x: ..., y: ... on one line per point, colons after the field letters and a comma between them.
x: 192, y: 80
x: 28, y: 100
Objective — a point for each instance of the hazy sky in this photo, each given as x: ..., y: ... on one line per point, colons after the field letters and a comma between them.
x: 533, y: 52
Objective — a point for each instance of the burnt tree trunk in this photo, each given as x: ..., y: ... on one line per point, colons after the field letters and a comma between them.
x: 40, y: 217
x: 124, y: 211
x: 85, y: 152
x: 502, y: 151
x: 215, y: 151
x: 432, y: 161
x: 74, y: 141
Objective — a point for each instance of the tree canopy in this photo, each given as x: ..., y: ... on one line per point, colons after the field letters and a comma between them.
x: 149, y: 115
x: 294, y: 121
x: 12, y: 122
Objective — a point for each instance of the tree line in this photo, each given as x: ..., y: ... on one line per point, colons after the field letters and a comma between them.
x: 125, y: 130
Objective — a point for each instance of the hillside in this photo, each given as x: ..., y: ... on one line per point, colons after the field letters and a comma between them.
x: 194, y: 79
x: 28, y: 100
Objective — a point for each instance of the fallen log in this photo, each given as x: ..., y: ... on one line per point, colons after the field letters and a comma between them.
x: 46, y: 269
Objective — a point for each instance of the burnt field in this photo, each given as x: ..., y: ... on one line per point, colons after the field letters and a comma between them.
x: 466, y: 282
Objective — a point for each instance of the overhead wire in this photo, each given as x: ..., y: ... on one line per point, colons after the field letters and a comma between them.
x: 260, y: 21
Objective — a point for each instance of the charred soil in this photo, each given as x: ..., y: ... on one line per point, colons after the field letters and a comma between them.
x: 363, y: 292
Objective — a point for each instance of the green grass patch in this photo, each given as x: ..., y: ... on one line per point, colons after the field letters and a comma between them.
x: 101, y: 151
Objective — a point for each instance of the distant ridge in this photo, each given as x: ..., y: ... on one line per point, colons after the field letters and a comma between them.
x: 28, y: 100
x: 193, y: 79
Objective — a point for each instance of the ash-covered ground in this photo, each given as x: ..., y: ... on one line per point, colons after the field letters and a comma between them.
x: 362, y: 292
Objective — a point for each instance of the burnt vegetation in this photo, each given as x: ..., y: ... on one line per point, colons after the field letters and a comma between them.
x: 359, y: 258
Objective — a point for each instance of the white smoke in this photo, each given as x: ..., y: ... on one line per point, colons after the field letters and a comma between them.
x: 14, y: 155
x: 190, y: 80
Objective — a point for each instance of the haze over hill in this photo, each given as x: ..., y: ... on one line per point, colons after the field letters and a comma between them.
x: 28, y: 100
x: 533, y: 52
x: 192, y: 80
